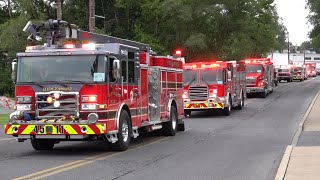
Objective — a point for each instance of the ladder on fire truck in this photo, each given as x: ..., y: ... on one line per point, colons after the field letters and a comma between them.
x: 58, y: 29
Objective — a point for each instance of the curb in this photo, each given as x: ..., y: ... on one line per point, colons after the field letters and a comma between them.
x: 287, y: 154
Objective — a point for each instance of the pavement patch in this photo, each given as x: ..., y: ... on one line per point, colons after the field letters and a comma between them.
x: 309, y: 138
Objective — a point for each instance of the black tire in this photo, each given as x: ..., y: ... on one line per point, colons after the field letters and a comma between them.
x: 170, y: 128
x: 124, y: 133
x: 227, y: 110
x: 264, y: 94
x: 42, y: 144
x: 187, y: 113
x: 239, y: 107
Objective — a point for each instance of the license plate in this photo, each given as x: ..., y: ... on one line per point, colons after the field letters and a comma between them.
x: 48, y: 129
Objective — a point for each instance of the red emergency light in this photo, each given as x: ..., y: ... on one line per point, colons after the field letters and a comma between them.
x: 178, y: 52
x: 267, y: 61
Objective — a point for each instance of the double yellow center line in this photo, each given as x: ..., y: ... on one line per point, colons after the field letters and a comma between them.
x: 83, y: 162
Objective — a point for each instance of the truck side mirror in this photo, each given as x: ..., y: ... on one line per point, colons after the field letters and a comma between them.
x: 14, y: 66
x: 116, y: 69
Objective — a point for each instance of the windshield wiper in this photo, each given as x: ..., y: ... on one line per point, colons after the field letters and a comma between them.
x: 205, y: 81
x: 36, y: 83
x: 58, y: 82
x: 76, y: 81
x: 192, y: 81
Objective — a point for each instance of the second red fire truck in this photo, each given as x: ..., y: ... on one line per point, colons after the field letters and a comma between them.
x: 259, y: 77
x: 108, y: 91
x: 213, y: 85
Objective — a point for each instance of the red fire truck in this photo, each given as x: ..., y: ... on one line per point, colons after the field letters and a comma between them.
x: 260, y: 76
x: 298, y: 73
x: 311, y: 69
x: 213, y: 85
x: 83, y: 91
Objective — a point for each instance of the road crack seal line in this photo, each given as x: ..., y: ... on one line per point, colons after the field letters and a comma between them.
x: 276, y: 98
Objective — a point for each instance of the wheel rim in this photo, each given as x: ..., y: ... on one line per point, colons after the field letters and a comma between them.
x: 174, y: 121
x: 125, y: 131
x: 229, y: 108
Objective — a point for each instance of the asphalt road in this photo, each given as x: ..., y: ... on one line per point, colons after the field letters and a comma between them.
x: 247, y: 145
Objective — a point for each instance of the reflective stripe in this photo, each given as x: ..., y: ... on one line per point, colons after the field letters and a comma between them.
x: 204, y: 105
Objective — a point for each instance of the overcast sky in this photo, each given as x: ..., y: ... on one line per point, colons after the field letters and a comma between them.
x: 294, y: 17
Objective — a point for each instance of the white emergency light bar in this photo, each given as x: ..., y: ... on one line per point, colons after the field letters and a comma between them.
x: 257, y: 61
x: 67, y: 46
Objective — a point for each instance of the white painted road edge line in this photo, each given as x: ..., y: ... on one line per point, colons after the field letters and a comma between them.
x: 286, y: 157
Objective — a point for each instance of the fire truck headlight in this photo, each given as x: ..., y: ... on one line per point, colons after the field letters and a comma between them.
x: 92, y: 98
x: 89, y: 107
x: 56, y: 104
x: 23, y: 107
x: 24, y: 99
x: 56, y: 95
x: 93, y: 118
x: 185, y: 96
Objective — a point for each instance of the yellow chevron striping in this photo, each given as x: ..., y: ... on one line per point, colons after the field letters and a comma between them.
x: 69, y: 129
x: 28, y: 129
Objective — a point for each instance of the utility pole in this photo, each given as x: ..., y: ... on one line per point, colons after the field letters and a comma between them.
x: 92, y: 13
x: 304, y: 57
x: 59, y: 9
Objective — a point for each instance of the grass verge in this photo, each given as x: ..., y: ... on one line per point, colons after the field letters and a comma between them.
x: 4, y: 118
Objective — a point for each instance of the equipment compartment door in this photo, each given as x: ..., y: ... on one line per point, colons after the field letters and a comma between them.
x: 154, y: 89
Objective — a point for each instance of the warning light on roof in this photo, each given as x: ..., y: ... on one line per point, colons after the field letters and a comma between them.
x: 69, y: 46
x: 178, y: 52
x: 194, y: 66
x: 90, y: 46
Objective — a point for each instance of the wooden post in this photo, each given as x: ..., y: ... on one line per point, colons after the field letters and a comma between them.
x: 92, y: 14
x: 59, y: 9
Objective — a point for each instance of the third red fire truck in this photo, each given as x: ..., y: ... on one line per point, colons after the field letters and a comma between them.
x: 311, y: 69
x: 260, y: 76
x: 213, y: 85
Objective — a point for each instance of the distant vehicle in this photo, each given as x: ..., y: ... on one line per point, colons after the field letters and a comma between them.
x: 214, y: 85
x: 259, y: 76
x: 285, y: 74
x: 275, y: 76
x: 298, y: 73
x: 311, y: 69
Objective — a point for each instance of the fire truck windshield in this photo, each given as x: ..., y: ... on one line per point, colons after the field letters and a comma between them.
x: 211, y: 76
x: 284, y: 70
x: 68, y: 69
x: 189, y: 77
x: 254, y: 68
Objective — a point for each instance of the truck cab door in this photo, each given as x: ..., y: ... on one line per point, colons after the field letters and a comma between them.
x: 114, y: 91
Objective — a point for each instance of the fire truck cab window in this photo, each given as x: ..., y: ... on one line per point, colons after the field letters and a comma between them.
x: 89, y: 69
x: 110, y: 71
x: 211, y: 76
x: 131, y: 77
x: 254, y: 68
x: 189, y: 77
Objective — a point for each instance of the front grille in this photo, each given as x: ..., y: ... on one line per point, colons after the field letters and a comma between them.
x: 198, y: 93
x: 251, y: 81
x: 69, y: 103
x: 284, y: 74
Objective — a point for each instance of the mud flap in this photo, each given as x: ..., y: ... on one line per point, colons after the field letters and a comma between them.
x: 181, y: 126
